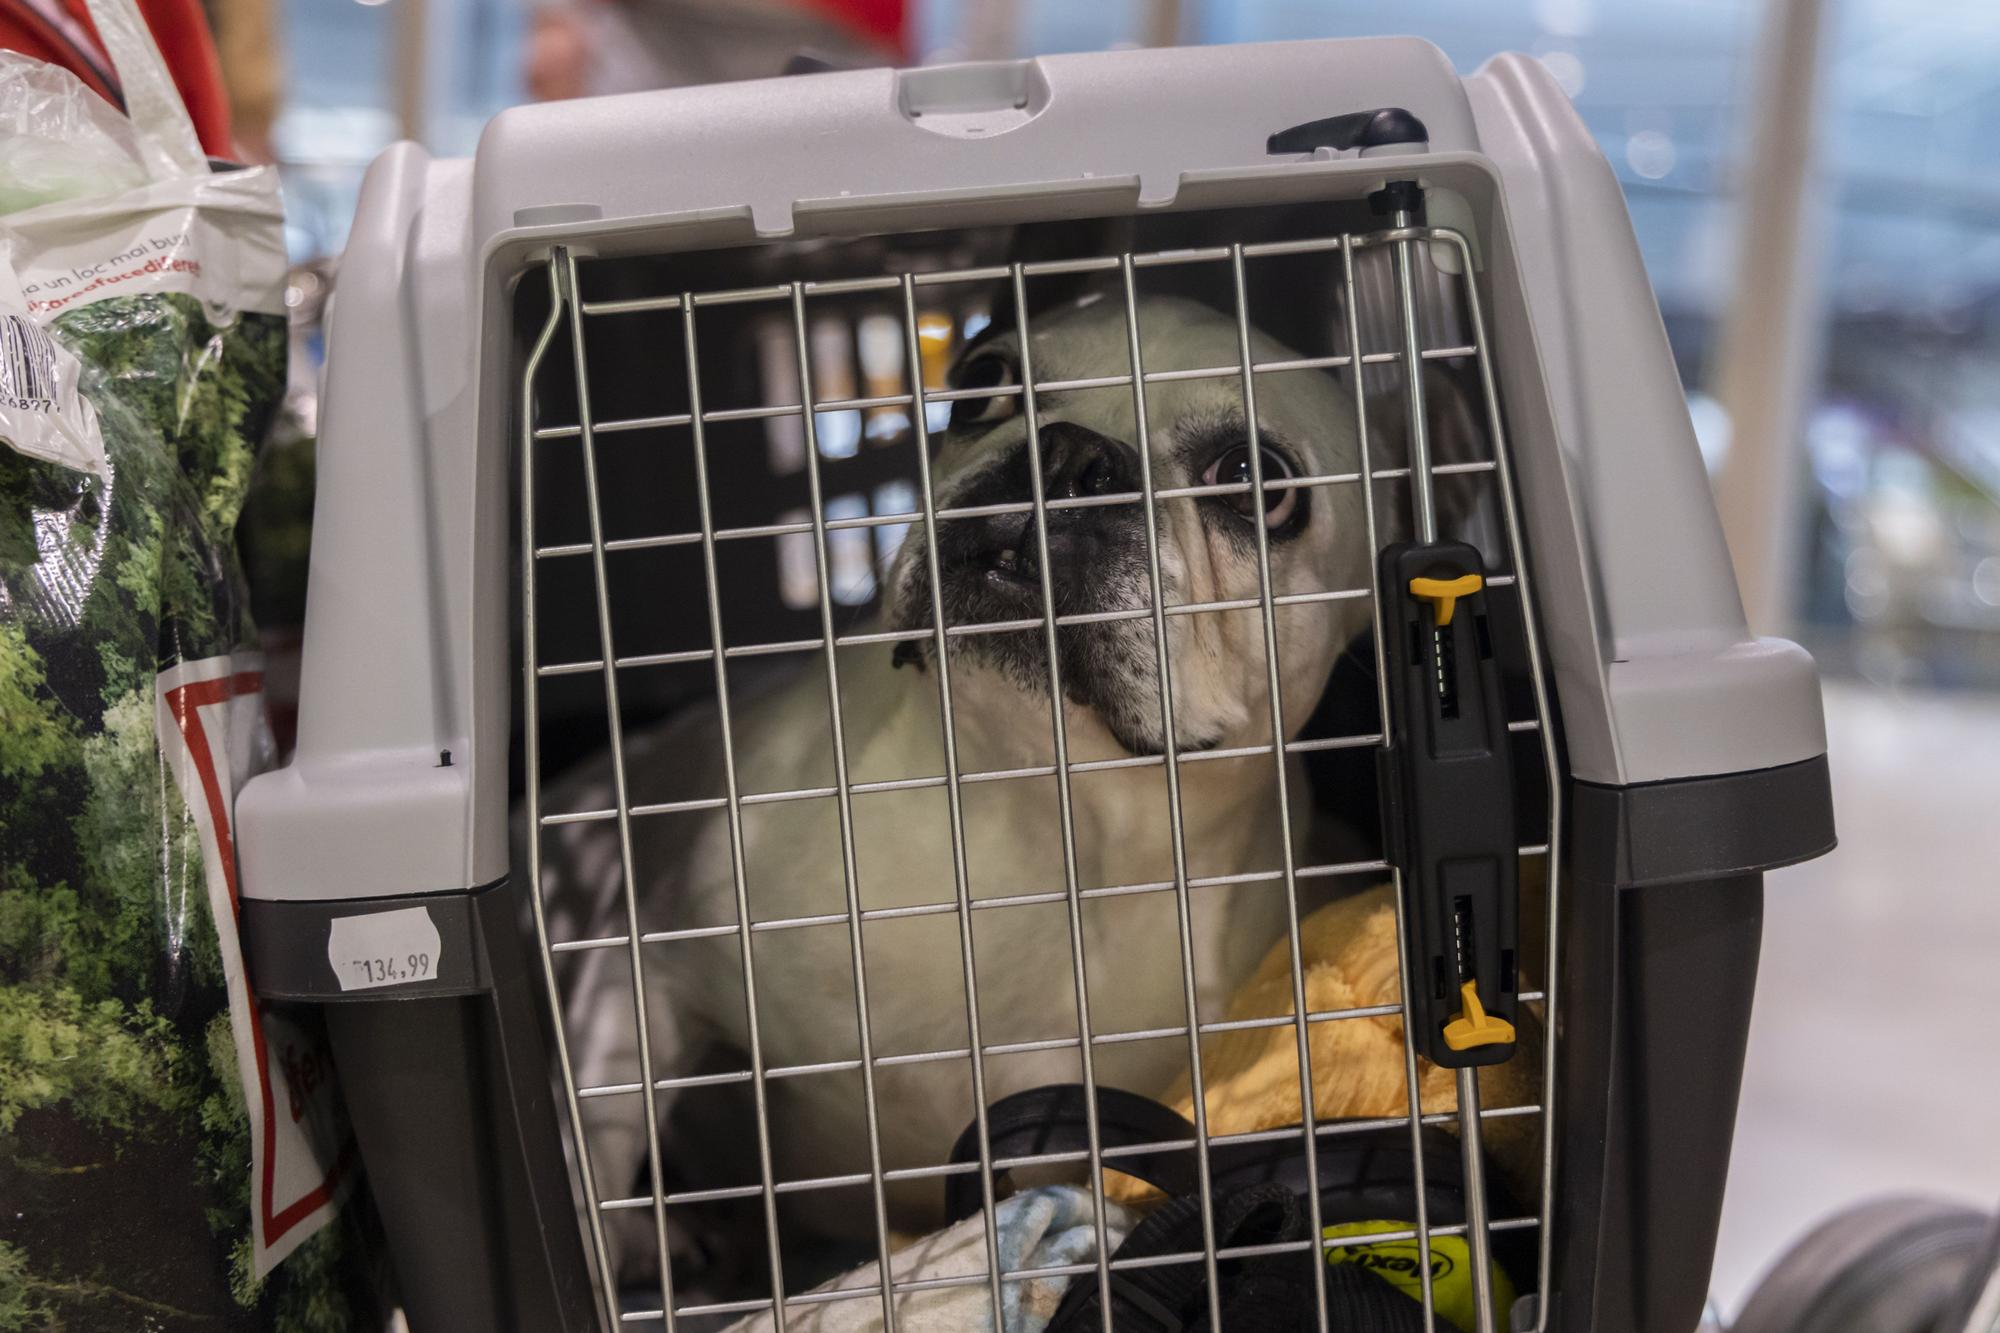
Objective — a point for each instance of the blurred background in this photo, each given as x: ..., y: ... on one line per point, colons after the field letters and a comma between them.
x: 1864, y: 239
x: 1816, y: 188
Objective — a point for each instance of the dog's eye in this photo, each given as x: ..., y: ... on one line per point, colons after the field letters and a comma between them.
x: 988, y: 370
x: 1233, y: 469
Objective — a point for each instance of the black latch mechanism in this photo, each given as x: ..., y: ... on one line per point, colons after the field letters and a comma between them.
x: 1356, y: 129
x: 1448, y: 803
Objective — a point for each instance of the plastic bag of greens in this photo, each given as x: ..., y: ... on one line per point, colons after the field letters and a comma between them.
x: 165, y: 1138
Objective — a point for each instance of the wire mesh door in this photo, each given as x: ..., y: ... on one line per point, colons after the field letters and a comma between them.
x: 618, y: 969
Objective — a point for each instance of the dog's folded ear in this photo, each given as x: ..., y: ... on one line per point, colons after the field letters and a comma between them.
x: 1456, y: 431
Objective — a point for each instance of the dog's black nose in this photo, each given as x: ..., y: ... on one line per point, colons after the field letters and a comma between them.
x: 1077, y: 461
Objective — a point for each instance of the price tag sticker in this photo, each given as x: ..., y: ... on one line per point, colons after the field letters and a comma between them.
x: 395, y: 948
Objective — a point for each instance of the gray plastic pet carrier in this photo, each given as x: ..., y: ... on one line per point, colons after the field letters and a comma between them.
x: 626, y: 417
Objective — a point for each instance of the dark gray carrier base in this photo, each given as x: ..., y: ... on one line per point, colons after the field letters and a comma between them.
x: 447, y: 1083
x: 1661, y: 925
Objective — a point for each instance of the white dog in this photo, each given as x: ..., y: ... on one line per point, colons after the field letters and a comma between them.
x: 902, y: 853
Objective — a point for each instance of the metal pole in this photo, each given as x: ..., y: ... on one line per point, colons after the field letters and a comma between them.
x: 991, y: 29
x: 1476, y: 1215
x: 412, y: 68
x: 1766, y: 349
x: 1424, y: 501
x: 1413, y: 384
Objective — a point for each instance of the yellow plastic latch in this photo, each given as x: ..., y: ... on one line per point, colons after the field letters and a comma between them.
x: 1445, y: 593
x: 1474, y: 1026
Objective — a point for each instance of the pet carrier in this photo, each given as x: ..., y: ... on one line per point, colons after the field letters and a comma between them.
x: 641, y: 400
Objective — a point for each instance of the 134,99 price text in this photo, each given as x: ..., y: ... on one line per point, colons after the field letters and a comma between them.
x: 388, y: 971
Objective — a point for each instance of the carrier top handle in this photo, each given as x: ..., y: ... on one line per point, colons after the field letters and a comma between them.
x: 1447, y: 779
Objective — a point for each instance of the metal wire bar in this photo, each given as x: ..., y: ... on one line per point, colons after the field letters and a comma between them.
x: 1066, y: 812
x: 954, y: 798
x: 1333, y: 1129
x: 1472, y: 1150
x: 802, y: 526
x: 1021, y: 1047
x: 1327, y: 871
x: 614, y: 427
x: 1419, y: 436
x: 995, y: 627
x: 985, y: 627
x: 1070, y: 1157
x: 567, y: 260
x: 978, y: 775
x: 1177, y: 834
x: 1037, y: 269
x: 768, y: 410
x: 1412, y: 1087
x: 1273, y: 686
x: 911, y: 1286
x: 1552, y: 773
x: 843, y: 805
x: 531, y: 713
x: 738, y: 877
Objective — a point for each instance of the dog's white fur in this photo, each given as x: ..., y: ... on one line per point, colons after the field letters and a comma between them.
x: 902, y: 843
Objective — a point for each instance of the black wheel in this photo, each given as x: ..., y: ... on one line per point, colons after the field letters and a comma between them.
x: 1884, y: 1266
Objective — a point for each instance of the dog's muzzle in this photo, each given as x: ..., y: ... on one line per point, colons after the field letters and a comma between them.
x: 990, y: 573
x: 996, y: 556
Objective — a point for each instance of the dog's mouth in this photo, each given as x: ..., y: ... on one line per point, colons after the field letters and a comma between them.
x: 1010, y: 569
x: 1011, y: 563
x: 1004, y: 555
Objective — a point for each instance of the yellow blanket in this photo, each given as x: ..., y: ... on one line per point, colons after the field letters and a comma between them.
x: 1348, y: 950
